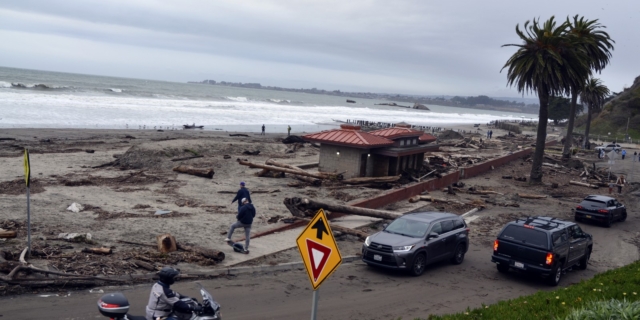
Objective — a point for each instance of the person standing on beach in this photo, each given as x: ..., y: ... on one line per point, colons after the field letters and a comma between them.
x: 635, y: 155
x: 243, y: 193
x: 262, y: 134
x: 288, y: 131
x: 620, y: 183
x: 245, y: 216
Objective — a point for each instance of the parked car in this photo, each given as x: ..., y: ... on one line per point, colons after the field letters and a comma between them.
x: 609, y: 147
x: 415, y: 240
x: 602, y: 209
x: 542, y: 245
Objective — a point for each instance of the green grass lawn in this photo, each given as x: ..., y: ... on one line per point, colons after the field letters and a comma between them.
x: 622, y: 283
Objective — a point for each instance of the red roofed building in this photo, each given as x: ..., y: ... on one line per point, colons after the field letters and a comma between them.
x: 384, y: 152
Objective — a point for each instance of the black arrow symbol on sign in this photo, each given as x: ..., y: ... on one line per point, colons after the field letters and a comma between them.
x: 320, y: 228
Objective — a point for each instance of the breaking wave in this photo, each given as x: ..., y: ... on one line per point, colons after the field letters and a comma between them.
x: 115, y: 90
x: 238, y: 99
x: 38, y: 86
x: 5, y: 84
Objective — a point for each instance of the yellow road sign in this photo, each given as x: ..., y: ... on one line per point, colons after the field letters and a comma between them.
x: 318, y: 249
x: 27, y: 168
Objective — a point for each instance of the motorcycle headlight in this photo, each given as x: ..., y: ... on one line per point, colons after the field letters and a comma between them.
x: 367, y: 241
x: 402, y: 248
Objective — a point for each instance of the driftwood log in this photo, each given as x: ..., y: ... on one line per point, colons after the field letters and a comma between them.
x: 434, y: 199
x: 303, y: 208
x: 7, y: 234
x: 531, y: 196
x: 187, y: 158
x: 144, y: 265
x: 207, y: 253
x: 319, y: 175
x: 577, y: 183
x: 205, y: 173
x: 166, y: 243
x: 371, y: 180
x: 309, y: 180
x: 270, y: 174
x: 97, y: 250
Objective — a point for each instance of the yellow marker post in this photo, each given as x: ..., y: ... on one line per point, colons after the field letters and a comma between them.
x: 319, y: 253
x: 27, y: 179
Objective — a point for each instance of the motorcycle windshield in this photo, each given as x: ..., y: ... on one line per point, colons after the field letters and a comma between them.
x: 207, y: 296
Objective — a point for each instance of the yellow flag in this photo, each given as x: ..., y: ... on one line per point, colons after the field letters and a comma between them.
x: 27, y: 167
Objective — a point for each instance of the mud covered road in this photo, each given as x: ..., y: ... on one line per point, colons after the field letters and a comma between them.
x: 355, y: 291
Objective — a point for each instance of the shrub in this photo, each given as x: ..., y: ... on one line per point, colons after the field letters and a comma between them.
x: 607, y: 310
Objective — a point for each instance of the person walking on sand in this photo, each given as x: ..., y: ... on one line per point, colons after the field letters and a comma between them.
x: 245, y: 216
x: 243, y: 193
x: 624, y: 153
x: 262, y: 134
x: 620, y: 183
x: 288, y: 131
x: 635, y: 156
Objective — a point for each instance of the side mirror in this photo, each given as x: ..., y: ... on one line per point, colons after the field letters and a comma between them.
x: 432, y: 235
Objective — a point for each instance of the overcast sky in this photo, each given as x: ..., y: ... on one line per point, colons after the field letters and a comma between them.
x: 417, y: 47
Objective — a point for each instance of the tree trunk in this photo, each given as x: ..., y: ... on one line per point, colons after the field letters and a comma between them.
x: 304, y: 208
x: 207, y: 253
x: 205, y: 173
x: 578, y: 183
x: 541, y: 137
x: 144, y: 265
x: 588, y: 125
x: 568, y: 141
x: 530, y: 196
x: 312, y: 181
x: 274, y: 163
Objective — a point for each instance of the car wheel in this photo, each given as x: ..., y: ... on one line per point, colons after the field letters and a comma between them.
x: 585, y: 260
x: 608, y: 222
x: 419, y: 264
x: 458, y: 255
x: 503, y: 268
x: 624, y: 216
x: 554, y: 277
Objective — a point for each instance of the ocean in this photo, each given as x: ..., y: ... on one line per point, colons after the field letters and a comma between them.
x: 43, y: 99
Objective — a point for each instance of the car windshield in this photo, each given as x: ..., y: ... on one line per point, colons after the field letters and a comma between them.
x: 525, y: 235
x: 593, y: 203
x: 408, y: 227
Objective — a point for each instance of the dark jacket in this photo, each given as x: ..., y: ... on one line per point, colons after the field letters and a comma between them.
x: 242, y: 193
x: 246, y: 213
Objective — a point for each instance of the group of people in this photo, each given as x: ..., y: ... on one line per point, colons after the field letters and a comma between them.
x: 489, y: 134
x: 288, y: 130
x: 162, y: 300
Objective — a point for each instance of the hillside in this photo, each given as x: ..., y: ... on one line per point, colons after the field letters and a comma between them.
x: 615, y: 114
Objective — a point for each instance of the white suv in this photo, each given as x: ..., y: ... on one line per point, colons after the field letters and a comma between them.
x: 609, y: 147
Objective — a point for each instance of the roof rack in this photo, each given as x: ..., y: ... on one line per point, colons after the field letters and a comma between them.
x: 549, y: 223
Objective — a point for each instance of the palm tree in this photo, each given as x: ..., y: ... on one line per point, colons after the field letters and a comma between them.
x: 597, y: 44
x: 545, y: 63
x: 593, y: 95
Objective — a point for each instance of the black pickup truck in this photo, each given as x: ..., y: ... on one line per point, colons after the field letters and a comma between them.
x: 542, y: 245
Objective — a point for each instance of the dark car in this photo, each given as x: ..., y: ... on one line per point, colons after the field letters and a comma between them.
x: 601, y: 209
x: 542, y: 245
x: 415, y: 240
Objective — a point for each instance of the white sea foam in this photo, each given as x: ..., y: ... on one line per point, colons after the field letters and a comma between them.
x: 239, y: 99
x: 5, y: 84
x: 115, y: 90
x: 36, y: 109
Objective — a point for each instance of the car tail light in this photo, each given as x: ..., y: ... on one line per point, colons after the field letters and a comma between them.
x: 495, y: 245
x: 603, y: 211
x: 468, y: 230
x: 549, y: 260
x: 579, y: 207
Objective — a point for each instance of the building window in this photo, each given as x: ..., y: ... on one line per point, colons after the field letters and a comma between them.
x: 402, y: 142
x: 415, y: 141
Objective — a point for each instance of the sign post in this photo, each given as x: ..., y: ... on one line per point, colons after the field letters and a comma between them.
x: 319, y: 253
x: 27, y: 179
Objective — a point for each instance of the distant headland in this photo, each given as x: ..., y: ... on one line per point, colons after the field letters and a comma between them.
x: 478, y: 102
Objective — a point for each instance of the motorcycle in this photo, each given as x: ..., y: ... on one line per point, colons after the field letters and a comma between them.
x: 116, y: 307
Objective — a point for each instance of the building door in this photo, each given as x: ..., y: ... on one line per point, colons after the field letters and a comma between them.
x: 363, y: 165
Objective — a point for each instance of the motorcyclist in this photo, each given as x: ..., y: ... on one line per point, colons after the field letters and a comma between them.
x: 163, y: 300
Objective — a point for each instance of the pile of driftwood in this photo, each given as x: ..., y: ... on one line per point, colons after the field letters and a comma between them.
x: 464, y: 143
x: 98, y: 265
x: 275, y: 169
